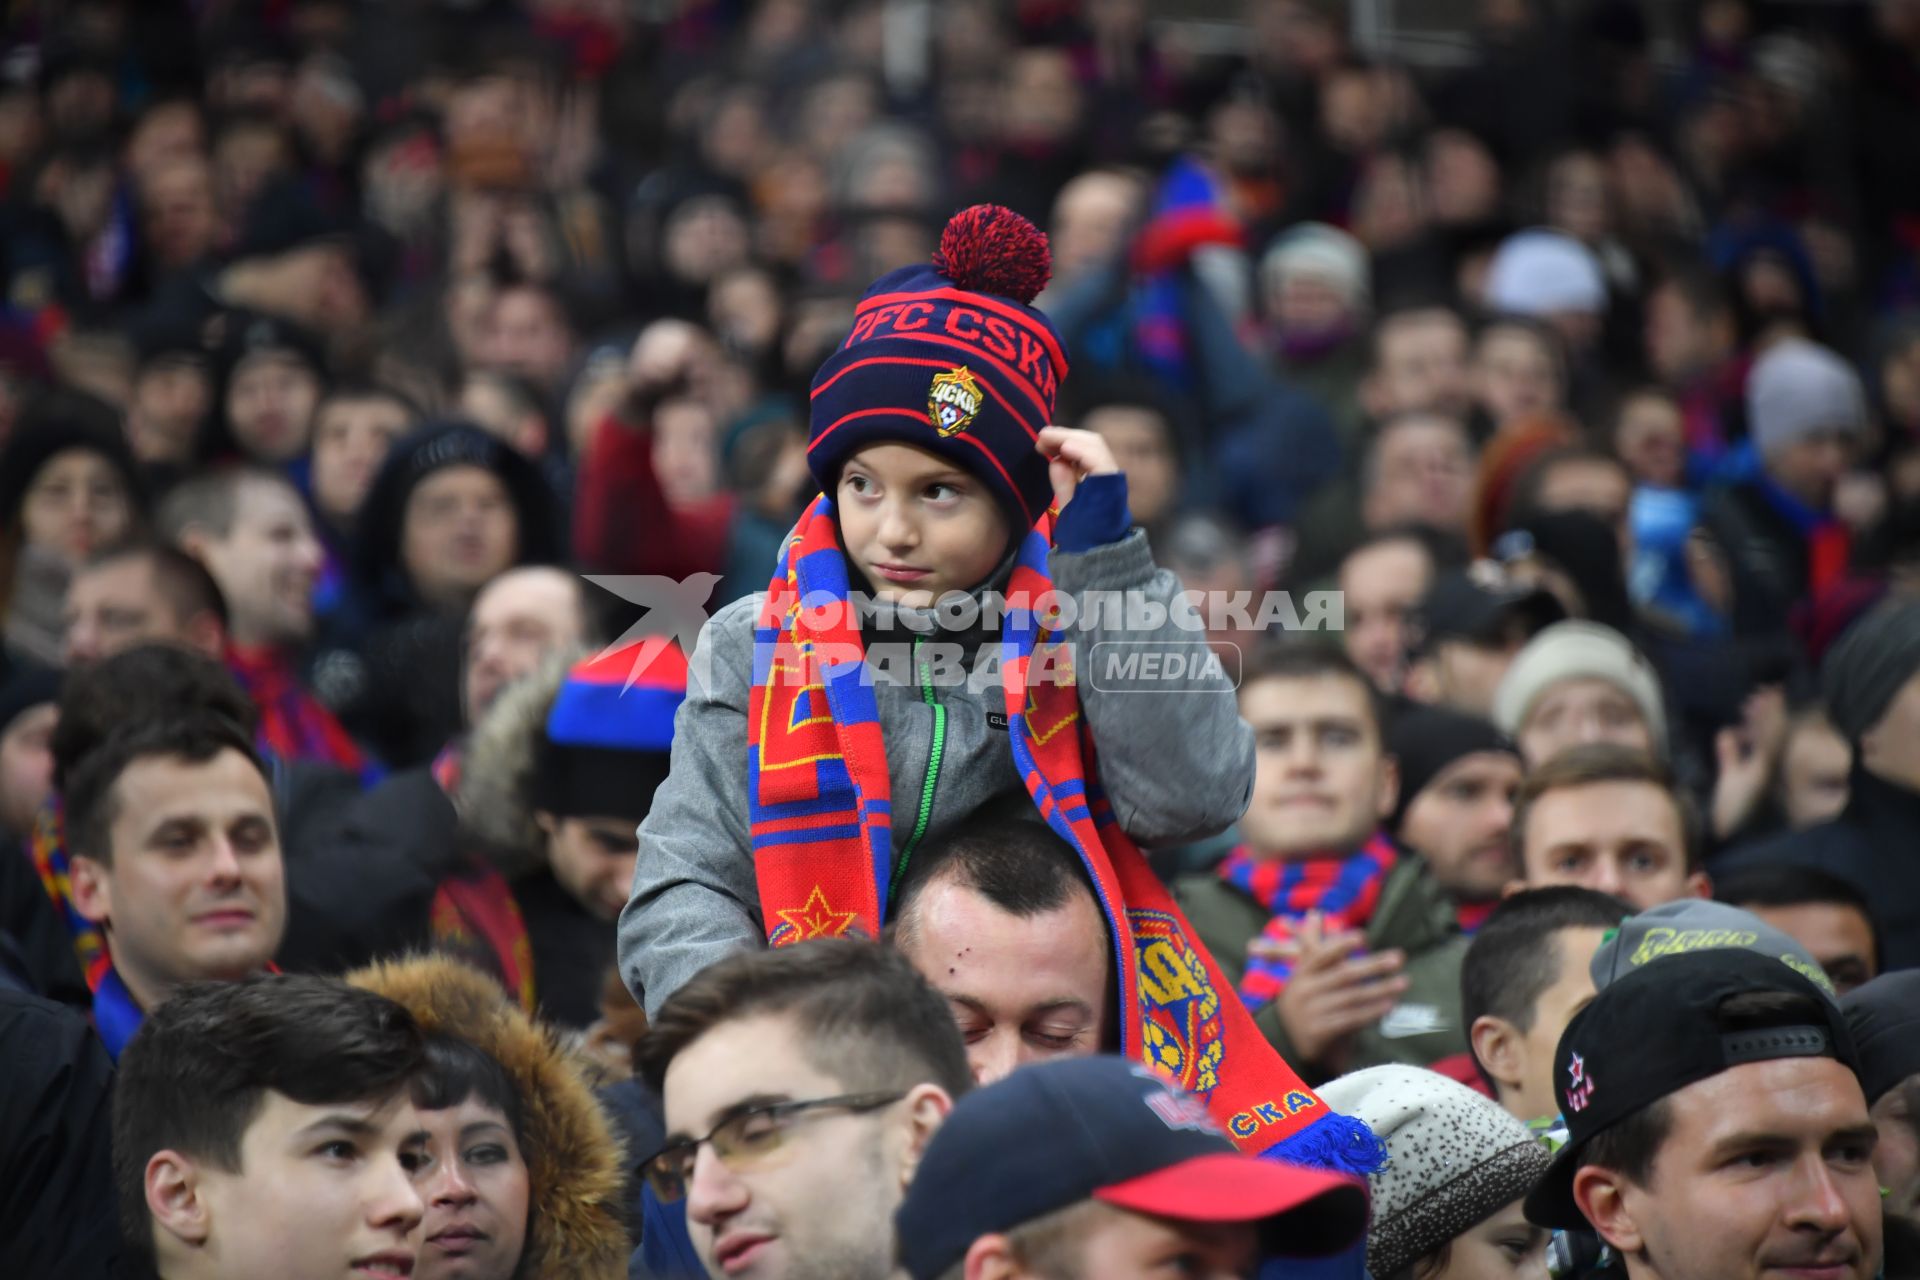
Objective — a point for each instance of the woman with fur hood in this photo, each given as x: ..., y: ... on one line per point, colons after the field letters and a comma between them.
x: 523, y: 1179
x: 558, y: 775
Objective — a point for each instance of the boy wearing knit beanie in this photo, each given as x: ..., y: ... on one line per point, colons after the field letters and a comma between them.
x: 1806, y: 416
x: 904, y: 671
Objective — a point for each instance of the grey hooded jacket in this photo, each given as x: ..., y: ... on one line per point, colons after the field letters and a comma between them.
x: 1173, y: 755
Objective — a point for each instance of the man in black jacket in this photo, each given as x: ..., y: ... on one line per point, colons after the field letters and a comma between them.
x: 1777, y: 530
x: 1872, y: 679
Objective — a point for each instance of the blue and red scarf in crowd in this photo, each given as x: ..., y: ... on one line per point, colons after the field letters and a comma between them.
x: 1343, y: 889
x: 294, y: 725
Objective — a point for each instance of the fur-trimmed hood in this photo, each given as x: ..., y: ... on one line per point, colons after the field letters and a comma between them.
x: 575, y: 1228
x: 495, y: 797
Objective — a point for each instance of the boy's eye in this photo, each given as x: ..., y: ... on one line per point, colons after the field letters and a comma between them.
x: 942, y: 492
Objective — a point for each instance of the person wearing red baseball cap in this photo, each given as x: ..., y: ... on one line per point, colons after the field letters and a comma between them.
x: 1098, y: 1167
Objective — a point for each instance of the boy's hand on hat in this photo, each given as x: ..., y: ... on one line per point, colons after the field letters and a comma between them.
x: 1072, y: 453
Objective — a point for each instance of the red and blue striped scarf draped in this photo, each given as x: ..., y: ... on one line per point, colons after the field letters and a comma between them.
x: 1344, y: 890
x: 47, y: 846
x: 819, y: 816
x: 294, y: 725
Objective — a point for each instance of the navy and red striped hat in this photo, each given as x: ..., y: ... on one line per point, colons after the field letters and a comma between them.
x: 950, y: 358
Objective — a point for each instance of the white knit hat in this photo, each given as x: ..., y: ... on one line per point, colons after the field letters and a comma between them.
x: 1799, y: 387
x: 1454, y: 1159
x: 1324, y: 252
x: 1540, y: 272
x: 1572, y: 650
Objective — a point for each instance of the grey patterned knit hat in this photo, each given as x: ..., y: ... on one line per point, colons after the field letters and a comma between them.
x: 1454, y: 1159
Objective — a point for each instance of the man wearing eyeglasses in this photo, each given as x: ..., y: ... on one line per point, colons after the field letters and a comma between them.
x: 800, y: 1086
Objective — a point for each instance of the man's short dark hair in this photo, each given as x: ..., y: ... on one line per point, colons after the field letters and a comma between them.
x: 149, y: 682
x: 1292, y: 658
x: 195, y: 1075
x: 1592, y: 763
x: 1515, y: 955
x: 864, y: 1013
x: 182, y: 581
x: 358, y: 391
x: 211, y: 500
x: 92, y: 801
x: 1786, y: 885
x: 1017, y: 864
x: 1629, y: 1146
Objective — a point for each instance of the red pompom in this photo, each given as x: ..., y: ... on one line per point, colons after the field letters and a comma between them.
x: 991, y: 249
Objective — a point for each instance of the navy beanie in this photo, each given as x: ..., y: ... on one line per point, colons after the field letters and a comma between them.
x: 949, y: 357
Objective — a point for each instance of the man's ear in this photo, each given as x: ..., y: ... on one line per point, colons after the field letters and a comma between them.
x: 174, y: 1198
x: 1388, y: 787
x: 1601, y: 1195
x: 1422, y: 682
x: 991, y: 1257
x: 548, y: 824
x: 926, y: 1107
x: 1513, y: 886
x: 1700, y: 885
x: 205, y: 634
x: 1496, y: 1047
x: 193, y: 540
x: 91, y: 887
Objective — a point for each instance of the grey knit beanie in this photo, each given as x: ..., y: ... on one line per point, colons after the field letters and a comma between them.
x: 1799, y: 387
x: 1580, y: 649
x: 1873, y: 659
x: 1454, y: 1159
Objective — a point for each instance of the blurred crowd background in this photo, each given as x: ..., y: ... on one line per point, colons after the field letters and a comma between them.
x: 1487, y: 278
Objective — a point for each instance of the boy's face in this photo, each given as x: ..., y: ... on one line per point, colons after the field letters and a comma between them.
x: 319, y: 1193
x: 916, y: 526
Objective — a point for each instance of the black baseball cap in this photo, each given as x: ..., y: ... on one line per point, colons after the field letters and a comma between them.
x: 1460, y: 606
x: 1654, y: 1032
x: 1103, y: 1128
x: 1884, y: 1016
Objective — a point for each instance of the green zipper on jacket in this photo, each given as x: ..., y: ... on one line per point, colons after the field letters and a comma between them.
x: 934, y: 755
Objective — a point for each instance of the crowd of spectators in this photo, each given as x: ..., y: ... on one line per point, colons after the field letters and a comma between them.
x: 434, y: 436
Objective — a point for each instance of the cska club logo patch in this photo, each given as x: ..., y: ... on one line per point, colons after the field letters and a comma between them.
x: 953, y: 400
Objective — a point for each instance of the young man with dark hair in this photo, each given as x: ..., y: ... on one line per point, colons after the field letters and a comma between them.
x: 1820, y: 911
x: 176, y: 857
x: 264, y: 1127
x: 141, y: 594
x: 252, y: 530
x: 1455, y: 809
x: 1608, y: 817
x: 800, y: 1087
x: 1001, y: 918
x: 1717, y: 1128
x: 1524, y: 978
x: 1347, y: 952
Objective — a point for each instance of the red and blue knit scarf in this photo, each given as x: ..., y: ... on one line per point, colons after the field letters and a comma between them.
x: 295, y: 725
x: 820, y: 822
x: 1344, y: 889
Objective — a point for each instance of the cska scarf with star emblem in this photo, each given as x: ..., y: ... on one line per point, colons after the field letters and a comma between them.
x: 1344, y: 890
x: 819, y: 814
